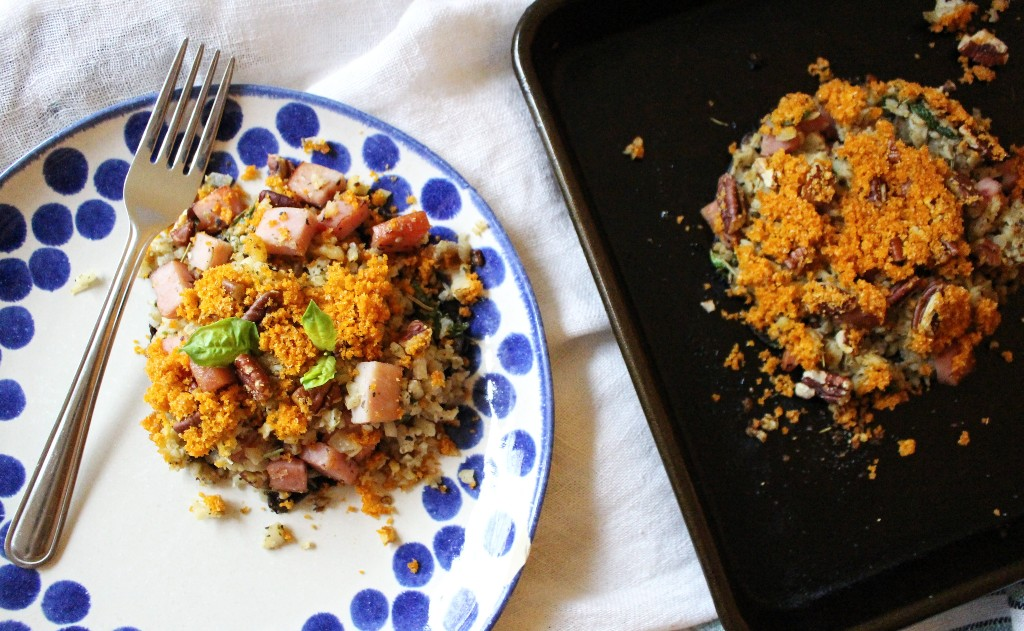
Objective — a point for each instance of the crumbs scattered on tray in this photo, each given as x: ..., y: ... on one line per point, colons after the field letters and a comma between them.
x: 821, y: 69
x: 635, y: 149
x: 980, y: 50
x: 907, y: 447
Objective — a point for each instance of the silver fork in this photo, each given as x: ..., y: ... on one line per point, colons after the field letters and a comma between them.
x: 156, y: 191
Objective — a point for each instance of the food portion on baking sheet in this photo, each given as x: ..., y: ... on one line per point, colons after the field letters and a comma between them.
x: 872, y: 231
x: 311, y: 337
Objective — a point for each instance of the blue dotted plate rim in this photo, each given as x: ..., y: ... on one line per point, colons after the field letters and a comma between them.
x: 519, y: 273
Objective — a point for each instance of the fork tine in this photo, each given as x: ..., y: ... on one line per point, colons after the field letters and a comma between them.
x: 156, y: 118
x: 197, y: 113
x: 202, y: 155
x: 179, y: 110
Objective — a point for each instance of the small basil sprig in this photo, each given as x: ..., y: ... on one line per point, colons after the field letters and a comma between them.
x: 322, y: 371
x: 319, y: 327
x: 218, y: 344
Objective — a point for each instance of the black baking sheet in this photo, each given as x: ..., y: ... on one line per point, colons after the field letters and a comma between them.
x: 793, y: 533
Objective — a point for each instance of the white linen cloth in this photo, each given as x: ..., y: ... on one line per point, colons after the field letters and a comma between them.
x: 611, y: 550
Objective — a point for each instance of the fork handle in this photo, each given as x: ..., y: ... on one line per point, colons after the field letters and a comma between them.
x: 35, y: 530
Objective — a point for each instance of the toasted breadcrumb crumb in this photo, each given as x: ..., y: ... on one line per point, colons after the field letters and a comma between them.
x: 907, y: 446
x: 208, y: 507
x: 964, y: 439
x: 821, y: 69
x: 735, y: 359
x: 414, y: 566
x: 251, y: 172
x: 309, y: 145
x: 1007, y: 356
x: 277, y: 535
x: 635, y: 149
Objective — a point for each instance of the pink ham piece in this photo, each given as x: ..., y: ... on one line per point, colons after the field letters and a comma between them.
x: 341, y: 218
x: 818, y: 123
x: 331, y: 462
x: 401, y: 234
x: 988, y: 187
x: 379, y: 386
x: 288, y: 475
x: 211, y: 378
x: 219, y: 208
x: 315, y: 183
x: 172, y: 342
x: 287, y: 231
x: 169, y: 281
x: 946, y: 370
x: 207, y: 252
x: 772, y: 144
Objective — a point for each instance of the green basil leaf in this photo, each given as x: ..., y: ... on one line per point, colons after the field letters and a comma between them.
x: 319, y: 327
x: 218, y: 344
x: 321, y: 372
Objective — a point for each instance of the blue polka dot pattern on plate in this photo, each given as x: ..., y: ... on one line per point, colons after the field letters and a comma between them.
x: 369, y: 610
x: 486, y: 319
x: 15, y: 279
x: 499, y: 535
x: 380, y: 153
x: 16, y: 327
x: 520, y: 452
x: 473, y: 355
x: 399, y: 188
x: 413, y: 565
x: 494, y: 395
x: 230, y: 121
x: 255, y: 145
x: 65, y: 602
x: 66, y: 170
x: 474, y: 464
x: 14, y: 625
x: 440, y: 233
x: 12, y: 475
x: 440, y: 199
x: 12, y: 228
x: 50, y: 268
x: 296, y: 121
x: 109, y: 179
x: 18, y: 587
x: 323, y: 622
x: 515, y: 354
x: 462, y: 611
x: 12, y: 399
x: 410, y: 611
x: 52, y: 224
x: 448, y: 544
x: 134, y: 127
x: 95, y: 219
x: 492, y: 272
x: 443, y: 501
x: 222, y: 162
x: 338, y: 158
x: 469, y: 432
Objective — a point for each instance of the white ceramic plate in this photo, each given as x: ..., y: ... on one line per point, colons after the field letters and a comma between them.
x: 133, y: 555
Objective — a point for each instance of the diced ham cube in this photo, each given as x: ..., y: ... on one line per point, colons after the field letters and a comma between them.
x: 378, y: 386
x: 773, y: 144
x: 287, y: 231
x: 288, y: 475
x: 331, y: 462
x: 169, y: 280
x: 402, y: 233
x: 207, y: 252
x: 211, y: 378
x: 218, y: 208
x: 341, y: 217
x: 172, y: 342
x: 315, y: 183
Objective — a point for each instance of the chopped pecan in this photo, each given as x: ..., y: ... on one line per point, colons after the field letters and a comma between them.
x: 984, y: 48
x: 258, y: 310
x: 988, y: 253
x: 277, y: 200
x: 279, y: 165
x: 922, y: 303
x: 183, y: 232
x: 192, y: 420
x: 730, y: 204
x: 901, y: 289
x: 829, y: 386
x: 896, y: 250
x: 253, y: 377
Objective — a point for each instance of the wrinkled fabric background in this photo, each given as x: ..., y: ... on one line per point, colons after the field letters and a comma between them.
x: 611, y: 550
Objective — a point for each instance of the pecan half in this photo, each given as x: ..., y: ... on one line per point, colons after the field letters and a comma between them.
x: 258, y: 310
x: 253, y: 377
x: 829, y: 386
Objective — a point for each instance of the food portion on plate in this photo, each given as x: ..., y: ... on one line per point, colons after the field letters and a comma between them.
x: 872, y: 231
x: 309, y: 338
